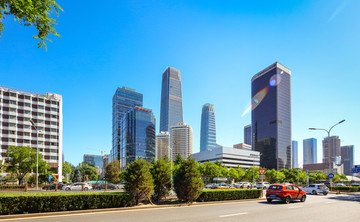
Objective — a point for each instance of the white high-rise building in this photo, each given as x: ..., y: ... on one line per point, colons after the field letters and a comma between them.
x: 181, y: 140
x: 162, y: 145
x: 17, y: 108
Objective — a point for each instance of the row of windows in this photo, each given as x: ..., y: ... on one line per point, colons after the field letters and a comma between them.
x: 28, y: 119
x: 11, y: 94
x: 29, y: 105
x: 12, y: 132
x: 21, y: 126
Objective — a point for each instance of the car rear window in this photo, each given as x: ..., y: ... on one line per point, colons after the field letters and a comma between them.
x: 275, y: 188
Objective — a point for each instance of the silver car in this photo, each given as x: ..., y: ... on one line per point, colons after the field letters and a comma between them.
x: 77, y: 186
x: 316, y: 189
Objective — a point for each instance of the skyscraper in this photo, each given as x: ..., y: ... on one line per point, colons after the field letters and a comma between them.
x: 181, y: 140
x: 137, y: 136
x: 271, y: 116
x: 208, y: 128
x: 124, y: 100
x: 309, y: 151
x: 347, y: 158
x: 335, y: 152
x: 247, y: 134
x: 294, y: 152
x: 163, y: 145
x: 171, y: 111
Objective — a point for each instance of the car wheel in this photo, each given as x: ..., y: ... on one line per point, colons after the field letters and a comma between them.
x: 86, y: 188
x: 314, y: 192
x: 287, y: 200
x: 303, y: 198
x: 67, y: 188
x: 325, y: 194
x: 269, y: 200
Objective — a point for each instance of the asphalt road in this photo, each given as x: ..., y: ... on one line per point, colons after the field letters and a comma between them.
x: 344, y: 207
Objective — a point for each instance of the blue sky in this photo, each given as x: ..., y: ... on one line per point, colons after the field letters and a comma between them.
x: 218, y: 46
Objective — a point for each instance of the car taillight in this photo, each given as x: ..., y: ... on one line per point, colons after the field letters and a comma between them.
x: 319, y: 188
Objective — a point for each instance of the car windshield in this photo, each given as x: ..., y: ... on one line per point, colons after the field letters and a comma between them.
x: 275, y: 187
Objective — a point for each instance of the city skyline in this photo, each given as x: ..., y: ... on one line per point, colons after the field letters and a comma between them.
x: 217, y: 51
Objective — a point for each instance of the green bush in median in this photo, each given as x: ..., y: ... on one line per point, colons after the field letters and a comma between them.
x: 15, y: 203
x: 231, y: 194
x: 347, y: 188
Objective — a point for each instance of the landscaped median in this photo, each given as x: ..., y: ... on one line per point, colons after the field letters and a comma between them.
x: 346, y: 188
x: 230, y: 194
x: 18, y: 203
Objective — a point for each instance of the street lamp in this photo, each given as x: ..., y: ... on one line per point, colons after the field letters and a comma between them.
x: 254, y: 156
x: 328, y: 132
x: 37, y: 154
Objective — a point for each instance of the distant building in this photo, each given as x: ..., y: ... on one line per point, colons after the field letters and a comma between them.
x: 171, y: 111
x: 324, y: 167
x: 247, y: 134
x: 294, y: 152
x: 96, y: 161
x: 229, y: 157
x: 105, y: 160
x: 162, y: 145
x: 310, y: 151
x: 208, y: 128
x: 271, y: 116
x: 347, y: 158
x: 181, y: 140
x: 242, y: 146
x: 335, y: 151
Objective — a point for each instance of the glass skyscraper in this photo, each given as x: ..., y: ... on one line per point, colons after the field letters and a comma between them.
x: 271, y: 116
x: 247, y: 134
x: 124, y: 100
x: 171, y: 111
x: 347, y: 158
x: 294, y: 152
x: 137, y: 136
x: 208, y: 128
x: 310, y: 151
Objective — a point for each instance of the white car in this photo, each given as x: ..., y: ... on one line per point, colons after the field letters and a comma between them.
x: 77, y: 186
x: 243, y: 185
x: 265, y: 185
x: 316, y: 189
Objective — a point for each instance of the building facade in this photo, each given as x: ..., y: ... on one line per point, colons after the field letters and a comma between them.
x: 310, y: 151
x: 294, y: 153
x: 208, y: 128
x: 247, y: 134
x: 96, y: 161
x: 17, y: 108
x: 347, y: 158
x: 171, y: 111
x: 242, y: 146
x: 137, y: 136
x: 163, y: 145
x: 335, y: 152
x: 271, y: 116
x: 229, y: 157
x: 124, y: 100
x: 181, y: 140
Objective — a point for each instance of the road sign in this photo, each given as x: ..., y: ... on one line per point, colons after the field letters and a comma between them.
x: 331, y: 175
x: 261, y: 177
x: 355, y: 170
x: 261, y: 171
x: 356, y: 166
x: 50, y: 177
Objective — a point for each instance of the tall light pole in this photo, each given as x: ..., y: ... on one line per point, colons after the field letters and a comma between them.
x: 37, y: 154
x: 254, y: 156
x: 328, y: 132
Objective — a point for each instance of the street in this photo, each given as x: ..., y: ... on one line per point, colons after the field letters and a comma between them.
x: 343, y: 207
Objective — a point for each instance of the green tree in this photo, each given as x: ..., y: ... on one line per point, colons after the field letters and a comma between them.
x: 234, y: 174
x: 178, y: 160
x: 22, y: 160
x: 161, y: 174
x: 35, y: 13
x: 224, y: 172
x: 187, y: 181
x: 210, y: 170
x: 241, y: 173
x: 68, y: 169
x: 85, y: 169
x: 112, y: 172
x: 252, y: 174
x: 275, y: 176
x: 138, y: 180
x: 317, y: 176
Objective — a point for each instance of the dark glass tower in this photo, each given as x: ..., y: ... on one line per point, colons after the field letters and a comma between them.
x: 271, y: 116
x: 124, y: 100
x: 171, y: 111
x: 137, y: 136
x: 347, y: 158
x: 208, y: 128
x: 247, y: 134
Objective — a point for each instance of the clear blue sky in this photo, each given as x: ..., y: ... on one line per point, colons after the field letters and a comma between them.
x: 218, y: 46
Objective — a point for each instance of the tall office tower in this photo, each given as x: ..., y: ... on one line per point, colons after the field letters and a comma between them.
x: 162, y: 145
x: 181, y: 140
x: 294, y: 152
x: 271, y: 116
x: 17, y: 108
x: 247, y: 134
x: 137, y: 136
x: 171, y: 111
x: 335, y: 153
x: 347, y: 158
x: 309, y: 151
x: 124, y: 100
x: 208, y: 128
x: 94, y: 160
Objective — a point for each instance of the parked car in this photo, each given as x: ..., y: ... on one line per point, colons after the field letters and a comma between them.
x: 243, y: 185
x: 355, y: 184
x: 120, y: 185
x: 221, y: 186
x: 77, y: 186
x: 316, y: 189
x: 52, y: 186
x: 265, y: 185
x: 101, y: 186
x: 285, y: 193
x: 340, y: 185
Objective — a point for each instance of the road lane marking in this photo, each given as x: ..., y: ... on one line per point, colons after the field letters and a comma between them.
x: 231, y: 215
x: 295, y: 207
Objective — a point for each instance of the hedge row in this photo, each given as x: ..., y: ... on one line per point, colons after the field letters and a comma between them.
x: 12, y: 187
x: 13, y: 203
x: 232, y: 194
x: 347, y: 188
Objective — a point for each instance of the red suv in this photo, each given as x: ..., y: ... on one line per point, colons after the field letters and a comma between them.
x: 286, y: 193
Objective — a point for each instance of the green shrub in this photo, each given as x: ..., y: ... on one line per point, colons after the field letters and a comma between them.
x: 14, y: 203
x: 2, y: 187
x: 347, y: 188
x: 231, y: 194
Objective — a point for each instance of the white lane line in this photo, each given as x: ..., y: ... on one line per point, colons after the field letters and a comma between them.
x: 295, y: 207
x: 231, y: 215
x: 330, y: 202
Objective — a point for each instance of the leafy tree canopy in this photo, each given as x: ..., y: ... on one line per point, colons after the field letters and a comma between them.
x: 112, y: 172
x: 85, y: 169
x: 68, y: 169
x: 161, y: 174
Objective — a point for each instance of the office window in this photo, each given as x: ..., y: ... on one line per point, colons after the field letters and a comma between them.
x: 12, y: 117
x: 12, y: 124
x: 26, y: 134
x: 12, y: 109
x: 40, y: 107
x: 53, y: 130
x: 12, y: 94
x: 40, y: 114
x: 53, y: 137
x: 27, y: 104
x: 26, y: 97
x: 12, y: 102
x: 53, y: 109
x: 11, y: 140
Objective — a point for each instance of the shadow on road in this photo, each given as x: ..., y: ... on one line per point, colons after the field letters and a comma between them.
x: 279, y: 202
x: 348, y: 197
